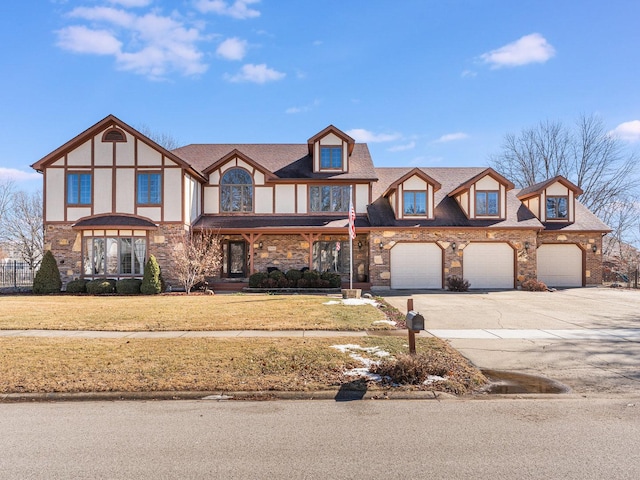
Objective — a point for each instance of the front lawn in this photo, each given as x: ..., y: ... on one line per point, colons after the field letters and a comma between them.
x: 30, y: 365
x: 186, y: 312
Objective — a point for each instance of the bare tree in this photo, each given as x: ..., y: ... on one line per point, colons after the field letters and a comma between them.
x: 195, y: 256
x: 163, y: 139
x: 6, y: 191
x: 587, y: 155
x: 24, y: 227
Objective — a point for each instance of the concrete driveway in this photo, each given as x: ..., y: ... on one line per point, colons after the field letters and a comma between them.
x: 586, y: 338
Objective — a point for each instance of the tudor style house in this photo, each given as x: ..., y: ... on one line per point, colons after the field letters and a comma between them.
x: 112, y: 197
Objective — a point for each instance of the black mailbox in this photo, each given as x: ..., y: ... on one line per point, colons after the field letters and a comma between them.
x: 414, y: 321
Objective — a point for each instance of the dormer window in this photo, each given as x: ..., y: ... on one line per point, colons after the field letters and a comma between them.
x: 557, y: 208
x: 331, y: 158
x: 487, y: 203
x: 415, y: 202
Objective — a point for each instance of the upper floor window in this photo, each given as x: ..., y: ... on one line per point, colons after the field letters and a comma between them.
x: 326, y: 198
x: 331, y: 157
x: 487, y: 203
x: 149, y: 189
x: 415, y: 203
x: 557, y: 208
x: 236, y: 191
x: 78, y: 188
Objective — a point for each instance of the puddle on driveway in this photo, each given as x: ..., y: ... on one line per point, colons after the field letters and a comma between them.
x: 513, y: 383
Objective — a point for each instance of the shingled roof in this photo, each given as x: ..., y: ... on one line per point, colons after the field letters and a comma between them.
x: 448, y: 214
x: 286, y: 161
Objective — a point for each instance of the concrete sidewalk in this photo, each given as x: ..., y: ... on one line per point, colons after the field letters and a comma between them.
x: 611, y: 334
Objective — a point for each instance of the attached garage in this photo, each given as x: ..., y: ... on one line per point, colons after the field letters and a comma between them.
x: 416, y: 265
x: 489, y: 265
x: 560, y: 265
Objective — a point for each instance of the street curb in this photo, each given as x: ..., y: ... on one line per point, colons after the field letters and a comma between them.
x: 337, y: 395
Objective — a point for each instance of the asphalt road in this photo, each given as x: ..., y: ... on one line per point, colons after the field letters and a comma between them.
x: 586, y: 338
x: 569, y: 438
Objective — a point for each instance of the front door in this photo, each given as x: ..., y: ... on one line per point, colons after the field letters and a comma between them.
x: 237, y: 259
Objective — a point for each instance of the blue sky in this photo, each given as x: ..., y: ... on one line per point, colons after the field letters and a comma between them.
x: 423, y: 82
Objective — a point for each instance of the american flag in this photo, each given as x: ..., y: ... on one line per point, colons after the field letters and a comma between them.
x: 352, y: 220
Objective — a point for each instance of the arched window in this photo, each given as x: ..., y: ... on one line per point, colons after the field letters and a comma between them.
x: 114, y: 135
x: 236, y: 191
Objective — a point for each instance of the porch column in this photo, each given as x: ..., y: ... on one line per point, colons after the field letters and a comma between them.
x: 251, y: 238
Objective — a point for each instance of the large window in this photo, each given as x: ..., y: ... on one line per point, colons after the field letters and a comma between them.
x: 415, y: 203
x: 236, y: 191
x: 487, y: 203
x: 149, y: 189
x: 331, y: 257
x: 114, y: 256
x: 326, y: 198
x: 330, y: 157
x: 78, y: 188
x: 557, y: 208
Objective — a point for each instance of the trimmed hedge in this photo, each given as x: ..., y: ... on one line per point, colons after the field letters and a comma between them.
x: 101, y: 287
x: 295, y: 279
x: 128, y: 286
x: 77, y: 286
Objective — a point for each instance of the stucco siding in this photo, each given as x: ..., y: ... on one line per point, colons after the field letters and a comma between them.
x: 285, y: 199
x: 102, y: 198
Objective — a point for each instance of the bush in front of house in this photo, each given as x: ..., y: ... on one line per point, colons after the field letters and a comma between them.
x: 293, y: 276
x: 128, y: 286
x: 312, y: 278
x: 77, y: 286
x: 101, y: 286
x: 294, y: 279
x: 257, y: 279
x: 151, y: 284
x: 533, y: 285
x: 333, y: 279
x: 47, y: 279
x: 457, y: 284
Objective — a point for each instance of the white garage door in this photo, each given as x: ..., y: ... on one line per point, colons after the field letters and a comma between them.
x: 488, y: 265
x: 560, y: 265
x: 416, y: 265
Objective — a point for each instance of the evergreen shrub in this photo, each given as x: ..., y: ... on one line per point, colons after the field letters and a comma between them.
x: 128, y: 286
x: 77, y: 286
x: 47, y: 279
x: 151, y: 284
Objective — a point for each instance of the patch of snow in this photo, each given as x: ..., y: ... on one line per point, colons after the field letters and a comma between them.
x: 388, y: 322
x: 353, y: 350
x: 433, y: 379
x: 352, y: 301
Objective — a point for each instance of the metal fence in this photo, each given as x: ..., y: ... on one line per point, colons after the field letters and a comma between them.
x: 15, y: 274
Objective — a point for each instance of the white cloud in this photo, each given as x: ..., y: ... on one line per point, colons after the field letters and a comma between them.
x: 238, y: 9
x: 452, y: 137
x: 18, y: 175
x: 402, y: 148
x: 232, y: 49
x: 256, y: 74
x: 627, y: 131
x: 366, y: 136
x: 304, y: 108
x: 148, y: 44
x: 131, y: 3
x: 79, y: 39
x: 468, y: 73
x: 532, y: 48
